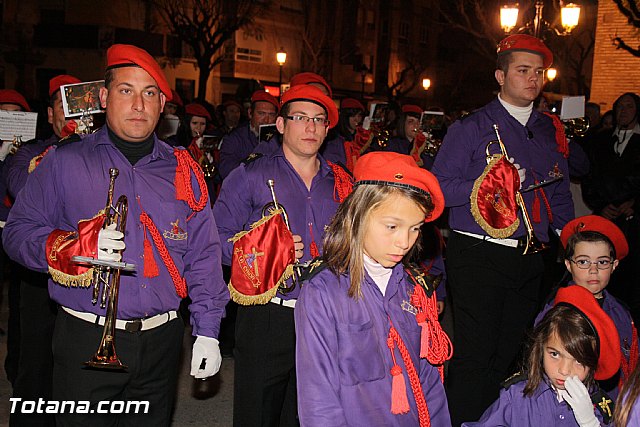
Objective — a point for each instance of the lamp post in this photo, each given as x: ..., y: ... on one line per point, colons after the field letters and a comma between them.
x: 569, y: 17
x: 426, y: 84
x: 363, y: 75
x: 281, y: 58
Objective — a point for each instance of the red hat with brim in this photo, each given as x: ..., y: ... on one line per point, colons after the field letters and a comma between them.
x: 598, y: 224
x: 126, y: 55
x: 526, y: 43
x: 410, y: 108
x: 352, y: 104
x: 175, y: 98
x: 63, y: 79
x: 399, y: 170
x: 605, y: 330
x: 197, y: 110
x: 306, y: 93
x: 262, y: 96
x: 10, y: 96
x: 308, y: 78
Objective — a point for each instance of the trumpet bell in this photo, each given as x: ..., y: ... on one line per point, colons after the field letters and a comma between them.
x: 105, y: 357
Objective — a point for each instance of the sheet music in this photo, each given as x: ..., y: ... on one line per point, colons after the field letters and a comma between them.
x: 17, y: 123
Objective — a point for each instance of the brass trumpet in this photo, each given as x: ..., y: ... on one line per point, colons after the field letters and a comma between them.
x: 532, y: 245
x: 576, y: 127
x: 106, y: 278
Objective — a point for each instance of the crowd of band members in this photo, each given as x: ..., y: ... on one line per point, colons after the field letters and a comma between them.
x: 488, y: 336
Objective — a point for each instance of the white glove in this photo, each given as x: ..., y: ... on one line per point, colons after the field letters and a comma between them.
x: 199, y: 141
x: 521, y: 171
x: 5, y: 149
x: 206, y: 350
x: 580, y: 401
x: 110, y: 244
x: 366, y: 123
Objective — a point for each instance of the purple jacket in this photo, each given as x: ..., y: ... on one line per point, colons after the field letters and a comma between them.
x: 461, y: 160
x: 621, y: 318
x: 238, y: 145
x: 333, y: 150
x: 245, y: 193
x: 71, y: 184
x: 540, y: 410
x: 343, y: 362
x: 17, y: 169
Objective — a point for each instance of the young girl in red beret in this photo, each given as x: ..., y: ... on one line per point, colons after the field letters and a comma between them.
x: 593, y: 247
x: 575, y: 344
x: 369, y: 346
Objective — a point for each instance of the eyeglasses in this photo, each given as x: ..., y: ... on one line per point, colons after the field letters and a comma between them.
x: 585, y: 264
x: 320, y: 121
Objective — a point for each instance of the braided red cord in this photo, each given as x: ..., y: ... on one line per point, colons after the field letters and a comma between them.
x: 439, y: 348
x: 628, y: 366
x: 178, y: 281
x: 313, y: 246
x: 414, y: 379
x: 343, y: 183
x: 185, y: 166
x: 561, y: 139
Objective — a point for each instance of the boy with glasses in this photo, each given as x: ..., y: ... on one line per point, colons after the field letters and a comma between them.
x: 265, y: 380
x: 593, y: 248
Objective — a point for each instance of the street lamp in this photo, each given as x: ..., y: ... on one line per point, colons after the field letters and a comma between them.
x: 426, y: 84
x: 281, y: 58
x: 363, y: 75
x: 569, y: 16
x: 551, y: 74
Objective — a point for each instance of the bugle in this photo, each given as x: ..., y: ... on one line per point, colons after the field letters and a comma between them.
x: 265, y: 211
x: 106, y: 283
x: 532, y: 245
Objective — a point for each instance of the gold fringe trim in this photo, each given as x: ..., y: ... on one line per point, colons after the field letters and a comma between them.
x: 264, y: 298
x: 83, y: 280
x: 497, y: 233
x: 256, y: 224
x: 33, y: 163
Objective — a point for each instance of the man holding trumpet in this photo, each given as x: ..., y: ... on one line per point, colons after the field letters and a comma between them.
x: 494, y: 271
x: 171, y: 238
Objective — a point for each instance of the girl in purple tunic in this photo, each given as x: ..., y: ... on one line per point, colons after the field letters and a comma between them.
x: 575, y: 344
x: 367, y: 328
x: 627, y: 413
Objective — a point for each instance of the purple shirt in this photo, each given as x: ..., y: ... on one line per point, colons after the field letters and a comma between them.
x: 333, y: 150
x: 461, y: 160
x: 621, y: 318
x: 542, y: 409
x: 343, y: 362
x: 71, y: 183
x: 245, y: 193
x: 17, y: 168
x: 238, y: 145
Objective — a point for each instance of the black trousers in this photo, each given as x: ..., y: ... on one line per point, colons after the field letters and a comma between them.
x: 151, y: 356
x: 264, y: 381
x: 494, y: 293
x: 35, y: 367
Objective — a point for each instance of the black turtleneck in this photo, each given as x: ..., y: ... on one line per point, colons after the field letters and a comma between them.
x: 133, y: 151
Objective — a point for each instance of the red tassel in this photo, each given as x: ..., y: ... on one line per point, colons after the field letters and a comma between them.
x: 179, y: 182
x: 535, y: 211
x: 399, y: 400
x: 150, y: 265
x: 421, y: 318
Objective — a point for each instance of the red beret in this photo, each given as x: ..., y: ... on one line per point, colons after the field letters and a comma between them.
x: 62, y: 79
x: 175, y: 98
x: 10, y: 96
x: 232, y: 102
x: 410, y: 108
x: 197, y: 110
x: 399, y: 170
x: 526, y: 43
x: 602, y: 226
x: 126, y: 55
x: 312, y: 94
x: 351, y: 103
x: 262, y: 96
x: 307, y: 78
x: 606, y: 333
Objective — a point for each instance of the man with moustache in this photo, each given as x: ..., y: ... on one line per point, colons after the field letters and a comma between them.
x: 494, y: 287
x: 170, y: 236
